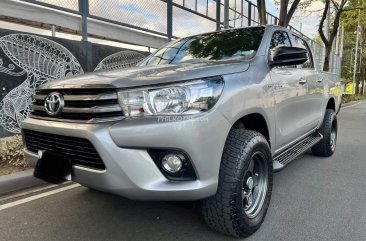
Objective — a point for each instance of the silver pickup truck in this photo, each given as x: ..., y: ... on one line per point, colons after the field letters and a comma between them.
x: 208, y: 117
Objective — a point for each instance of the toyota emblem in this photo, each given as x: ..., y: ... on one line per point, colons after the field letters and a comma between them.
x: 54, y: 103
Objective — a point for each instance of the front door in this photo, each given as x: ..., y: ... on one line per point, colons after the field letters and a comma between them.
x: 290, y: 91
x: 315, y: 95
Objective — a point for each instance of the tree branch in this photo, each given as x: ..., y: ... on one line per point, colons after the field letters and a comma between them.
x: 335, y: 5
x: 343, y: 3
x: 353, y: 9
x: 336, y: 21
x: 335, y: 27
x: 321, y: 24
x: 329, y: 42
x: 291, y: 12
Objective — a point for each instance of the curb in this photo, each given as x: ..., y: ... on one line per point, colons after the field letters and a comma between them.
x: 17, y: 181
x: 353, y: 102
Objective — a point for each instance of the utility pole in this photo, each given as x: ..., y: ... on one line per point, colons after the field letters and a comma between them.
x: 338, y: 41
x: 341, y: 49
x: 342, y: 42
x: 356, y: 54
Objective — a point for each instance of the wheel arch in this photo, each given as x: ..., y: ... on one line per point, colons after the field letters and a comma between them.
x: 254, y: 121
x: 331, y: 104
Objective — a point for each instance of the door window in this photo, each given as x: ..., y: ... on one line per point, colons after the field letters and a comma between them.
x: 300, y: 43
x: 279, y: 38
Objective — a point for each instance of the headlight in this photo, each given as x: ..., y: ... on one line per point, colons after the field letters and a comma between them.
x: 188, y: 97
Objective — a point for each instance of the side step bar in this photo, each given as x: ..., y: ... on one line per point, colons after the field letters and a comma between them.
x: 284, y: 158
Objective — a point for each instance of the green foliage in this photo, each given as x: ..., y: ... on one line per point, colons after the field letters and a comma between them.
x: 349, y: 98
x: 350, y: 20
x: 318, y: 40
x: 11, y: 151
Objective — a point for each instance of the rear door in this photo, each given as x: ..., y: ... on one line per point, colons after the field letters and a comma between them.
x: 290, y: 93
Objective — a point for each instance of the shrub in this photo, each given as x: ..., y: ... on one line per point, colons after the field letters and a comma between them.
x: 11, y: 151
x: 349, y: 98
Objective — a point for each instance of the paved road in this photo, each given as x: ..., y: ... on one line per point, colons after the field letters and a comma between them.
x: 313, y: 199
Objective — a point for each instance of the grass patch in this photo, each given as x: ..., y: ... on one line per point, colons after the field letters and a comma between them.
x: 349, y: 98
x: 11, y: 151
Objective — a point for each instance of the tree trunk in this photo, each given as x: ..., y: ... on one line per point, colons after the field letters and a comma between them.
x: 283, y: 13
x: 262, y: 12
x: 328, y: 50
x: 328, y: 42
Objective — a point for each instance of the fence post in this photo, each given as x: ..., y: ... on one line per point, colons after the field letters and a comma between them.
x: 218, y: 16
x: 53, y: 30
x: 249, y: 13
x: 169, y: 5
x: 169, y: 26
x: 84, y: 12
x: 226, y: 13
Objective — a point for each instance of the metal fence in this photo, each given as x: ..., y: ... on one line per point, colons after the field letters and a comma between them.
x: 175, y: 18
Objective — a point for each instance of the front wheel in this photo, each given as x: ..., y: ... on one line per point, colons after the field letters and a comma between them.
x: 245, y: 185
x: 329, y: 130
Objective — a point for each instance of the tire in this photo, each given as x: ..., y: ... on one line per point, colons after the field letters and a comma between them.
x: 328, y: 129
x: 229, y: 211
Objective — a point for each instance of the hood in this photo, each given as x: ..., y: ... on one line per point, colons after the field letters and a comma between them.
x: 149, y: 75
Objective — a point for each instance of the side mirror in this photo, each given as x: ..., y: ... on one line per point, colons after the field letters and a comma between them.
x: 283, y: 56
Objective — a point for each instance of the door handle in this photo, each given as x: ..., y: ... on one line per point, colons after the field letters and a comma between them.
x: 302, y: 81
x: 320, y: 81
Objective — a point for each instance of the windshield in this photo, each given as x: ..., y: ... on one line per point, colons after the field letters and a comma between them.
x: 211, y: 46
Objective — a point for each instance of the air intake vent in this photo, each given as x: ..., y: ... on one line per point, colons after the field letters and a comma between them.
x: 79, y: 151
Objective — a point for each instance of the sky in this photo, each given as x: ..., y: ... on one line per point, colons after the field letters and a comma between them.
x: 307, y: 20
x: 152, y: 15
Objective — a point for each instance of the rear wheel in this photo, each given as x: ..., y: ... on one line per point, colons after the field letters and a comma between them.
x: 245, y: 185
x: 329, y: 130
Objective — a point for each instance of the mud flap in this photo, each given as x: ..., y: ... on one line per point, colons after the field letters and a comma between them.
x: 53, y: 167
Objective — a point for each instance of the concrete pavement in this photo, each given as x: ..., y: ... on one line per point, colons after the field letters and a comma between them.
x: 18, y: 181
x: 313, y: 199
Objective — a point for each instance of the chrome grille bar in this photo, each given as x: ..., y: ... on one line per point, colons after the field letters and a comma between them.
x: 109, y: 96
x: 81, y: 105
x: 95, y: 109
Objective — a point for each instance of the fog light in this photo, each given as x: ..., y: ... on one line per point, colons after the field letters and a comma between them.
x: 172, y: 163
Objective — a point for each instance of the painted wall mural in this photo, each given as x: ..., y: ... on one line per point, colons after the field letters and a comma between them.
x: 36, y: 60
x: 41, y: 60
x: 120, y: 60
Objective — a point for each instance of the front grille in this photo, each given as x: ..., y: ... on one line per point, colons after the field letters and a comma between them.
x: 81, y: 105
x: 78, y: 150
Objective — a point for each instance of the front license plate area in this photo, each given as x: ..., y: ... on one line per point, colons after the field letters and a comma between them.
x: 53, y: 167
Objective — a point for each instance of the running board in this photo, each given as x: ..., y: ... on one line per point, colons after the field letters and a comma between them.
x: 284, y: 158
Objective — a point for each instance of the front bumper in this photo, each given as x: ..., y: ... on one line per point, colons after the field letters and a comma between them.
x: 130, y: 171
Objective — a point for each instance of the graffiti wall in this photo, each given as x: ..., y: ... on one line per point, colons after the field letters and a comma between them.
x: 28, y: 61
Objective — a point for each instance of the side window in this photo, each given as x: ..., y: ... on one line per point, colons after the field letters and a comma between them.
x: 279, y: 38
x: 300, y: 43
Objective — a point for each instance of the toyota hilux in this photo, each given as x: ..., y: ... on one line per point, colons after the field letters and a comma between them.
x: 208, y: 117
